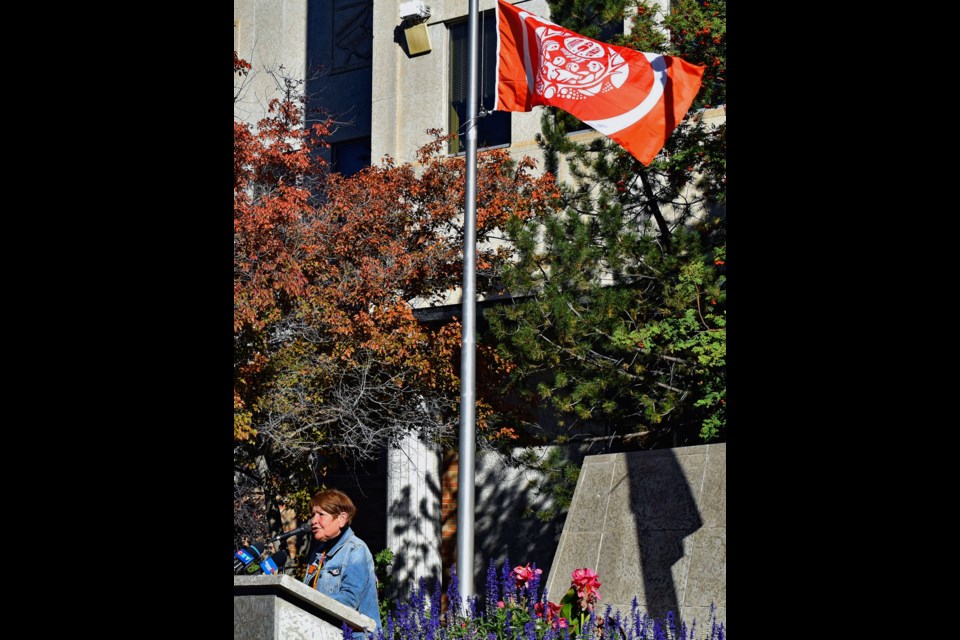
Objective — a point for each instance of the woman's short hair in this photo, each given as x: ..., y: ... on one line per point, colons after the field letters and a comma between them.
x: 334, y: 502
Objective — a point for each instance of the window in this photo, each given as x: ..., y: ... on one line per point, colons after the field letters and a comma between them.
x: 494, y: 128
x: 350, y: 156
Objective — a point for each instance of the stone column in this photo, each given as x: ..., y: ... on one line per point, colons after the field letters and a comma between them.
x: 386, y: 54
x: 413, y: 513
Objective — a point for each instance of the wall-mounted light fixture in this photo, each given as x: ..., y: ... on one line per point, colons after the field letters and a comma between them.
x: 414, y: 15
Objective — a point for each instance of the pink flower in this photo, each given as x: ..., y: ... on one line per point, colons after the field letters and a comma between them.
x: 553, y: 610
x: 586, y: 583
x: 523, y: 575
x: 553, y: 614
x: 500, y: 604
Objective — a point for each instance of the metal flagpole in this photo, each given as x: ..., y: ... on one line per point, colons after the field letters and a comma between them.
x: 465, y: 497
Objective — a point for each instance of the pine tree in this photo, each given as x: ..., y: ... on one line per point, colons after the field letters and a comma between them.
x: 620, y: 309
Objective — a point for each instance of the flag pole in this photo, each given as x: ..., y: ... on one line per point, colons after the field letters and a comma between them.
x: 465, y: 492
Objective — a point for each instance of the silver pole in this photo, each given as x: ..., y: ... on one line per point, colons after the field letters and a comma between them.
x: 465, y: 506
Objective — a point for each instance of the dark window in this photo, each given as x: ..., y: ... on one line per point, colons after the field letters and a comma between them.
x: 350, y: 156
x: 494, y: 128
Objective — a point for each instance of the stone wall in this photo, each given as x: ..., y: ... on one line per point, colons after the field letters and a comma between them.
x: 652, y: 524
x: 271, y: 36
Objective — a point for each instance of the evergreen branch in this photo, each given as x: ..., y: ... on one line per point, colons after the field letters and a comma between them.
x: 655, y: 212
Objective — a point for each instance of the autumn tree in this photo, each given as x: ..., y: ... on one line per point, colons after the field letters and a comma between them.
x: 618, y: 321
x: 329, y: 355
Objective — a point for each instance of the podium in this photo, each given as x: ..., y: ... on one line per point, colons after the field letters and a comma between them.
x: 277, y: 607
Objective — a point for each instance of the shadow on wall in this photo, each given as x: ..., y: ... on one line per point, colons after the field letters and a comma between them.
x: 504, y: 527
x: 665, y: 512
x: 507, y: 503
x: 413, y: 524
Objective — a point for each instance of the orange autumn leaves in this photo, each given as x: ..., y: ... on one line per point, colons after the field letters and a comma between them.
x: 347, y: 257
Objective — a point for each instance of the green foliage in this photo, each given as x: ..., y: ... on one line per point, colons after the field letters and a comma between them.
x: 697, y: 33
x: 558, y: 479
x: 645, y: 353
x: 620, y: 309
x: 382, y: 563
x: 495, y: 625
x: 586, y: 17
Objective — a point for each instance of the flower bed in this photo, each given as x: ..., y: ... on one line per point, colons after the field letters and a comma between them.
x: 513, y: 608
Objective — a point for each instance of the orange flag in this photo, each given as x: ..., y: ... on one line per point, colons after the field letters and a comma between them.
x: 636, y: 99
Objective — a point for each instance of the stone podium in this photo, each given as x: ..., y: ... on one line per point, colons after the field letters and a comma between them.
x: 277, y: 607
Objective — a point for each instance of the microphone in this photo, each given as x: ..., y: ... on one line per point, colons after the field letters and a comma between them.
x: 274, y: 564
x: 304, y: 528
x: 244, y: 557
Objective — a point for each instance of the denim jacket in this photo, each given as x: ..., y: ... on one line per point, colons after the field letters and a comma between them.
x: 347, y: 576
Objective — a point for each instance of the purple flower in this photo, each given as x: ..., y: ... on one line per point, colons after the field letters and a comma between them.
x: 508, y: 587
x: 530, y: 630
x: 473, y: 607
x: 526, y: 616
x: 672, y: 623
x: 433, y: 625
x: 454, y: 602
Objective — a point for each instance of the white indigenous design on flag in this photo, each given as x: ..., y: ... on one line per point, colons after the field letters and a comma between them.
x: 576, y: 68
x: 637, y: 99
